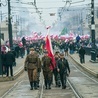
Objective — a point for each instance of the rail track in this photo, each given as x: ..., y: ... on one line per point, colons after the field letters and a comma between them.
x: 79, y: 85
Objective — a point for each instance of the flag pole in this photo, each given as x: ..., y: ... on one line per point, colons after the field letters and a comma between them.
x: 48, y: 35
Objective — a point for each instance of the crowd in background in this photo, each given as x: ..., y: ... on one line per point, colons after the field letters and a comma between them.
x: 20, y: 47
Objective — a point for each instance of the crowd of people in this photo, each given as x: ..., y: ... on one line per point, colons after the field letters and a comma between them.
x: 34, y: 63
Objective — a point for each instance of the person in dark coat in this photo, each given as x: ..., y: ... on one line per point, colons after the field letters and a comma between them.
x: 22, y: 51
x: 17, y: 49
x: 66, y: 49
x: 82, y: 55
x: 23, y: 41
x: 9, y: 59
x: 63, y: 69
x: 14, y: 53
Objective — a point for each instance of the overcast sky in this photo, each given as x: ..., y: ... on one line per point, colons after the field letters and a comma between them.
x: 51, y: 6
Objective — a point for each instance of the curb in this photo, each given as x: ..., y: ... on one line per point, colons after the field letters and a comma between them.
x: 86, y: 68
x: 16, y: 75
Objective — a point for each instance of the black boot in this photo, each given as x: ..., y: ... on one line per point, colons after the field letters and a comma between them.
x: 49, y: 83
x: 49, y: 86
x: 35, y: 85
x: 56, y: 84
x: 31, y: 84
x: 45, y: 84
x: 38, y: 84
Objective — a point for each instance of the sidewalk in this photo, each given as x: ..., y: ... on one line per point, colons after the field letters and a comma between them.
x: 17, y: 70
x: 88, y: 66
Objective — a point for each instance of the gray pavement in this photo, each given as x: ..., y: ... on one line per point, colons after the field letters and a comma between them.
x: 6, y: 82
x: 88, y: 66
x: 85, y: 83
x: 86, y: 86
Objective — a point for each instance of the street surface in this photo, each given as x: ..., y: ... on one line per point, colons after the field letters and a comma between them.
x: 84, y: 86
x: 22, y: 90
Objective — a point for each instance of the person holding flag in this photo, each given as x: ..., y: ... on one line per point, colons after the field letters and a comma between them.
x: 48, y: 47
x: 48, y: 61
x: 47, y: 72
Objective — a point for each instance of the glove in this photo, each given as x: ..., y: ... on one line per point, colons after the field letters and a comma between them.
x: 25, y: 69
x: 39, y: 70
x: 68, y: 74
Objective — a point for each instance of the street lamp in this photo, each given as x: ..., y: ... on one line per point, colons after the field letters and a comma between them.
x: 1, y: 70
x: 93, y: 51
x: 0, y: 46
x: 92, y: 23
x: 10, y: 25
x: 0, y: 53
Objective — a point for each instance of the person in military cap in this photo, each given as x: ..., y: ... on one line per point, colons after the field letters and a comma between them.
x: 47, y: 72
x: 55, y: 72
x: 31, y: 64
x: 63, y: 69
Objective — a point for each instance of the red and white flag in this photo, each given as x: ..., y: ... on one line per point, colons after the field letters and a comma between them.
x: 48, y: 47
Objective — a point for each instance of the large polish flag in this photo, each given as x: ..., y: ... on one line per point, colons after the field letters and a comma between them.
x: 48, y: 47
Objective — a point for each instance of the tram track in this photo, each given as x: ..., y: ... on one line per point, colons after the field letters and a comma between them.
x: 70, y: 86
x: 75, y: 87
x: 9, y: 90
x: 85, y: 82
x: 74, y: 90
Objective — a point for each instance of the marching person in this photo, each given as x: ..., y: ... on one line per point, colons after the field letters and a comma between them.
x: 47, y: 72
x: 23, y: 41
x: 31, y: 64
x: 55, y: 72
x: 63, y: 69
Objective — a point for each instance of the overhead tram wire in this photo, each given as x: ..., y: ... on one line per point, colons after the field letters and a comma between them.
x: 37, y: 2
x: 4, y: 2
x: 77, y: 2
x: 51, y: 2
x: 70, y: 3
x: 54, y: 7
x: 38, y: 7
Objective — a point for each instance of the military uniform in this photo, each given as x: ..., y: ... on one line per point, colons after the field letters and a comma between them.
x: 47, y: 61
x: 31, y: 64
x: 55, y: 72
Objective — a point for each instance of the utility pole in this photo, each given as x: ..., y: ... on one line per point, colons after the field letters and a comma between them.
x: 35, y: 2
x: 16, y: 25
x: 0, y: 42
x: 10, y: 25
x: 92, y: 24
x: 93, y: 51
